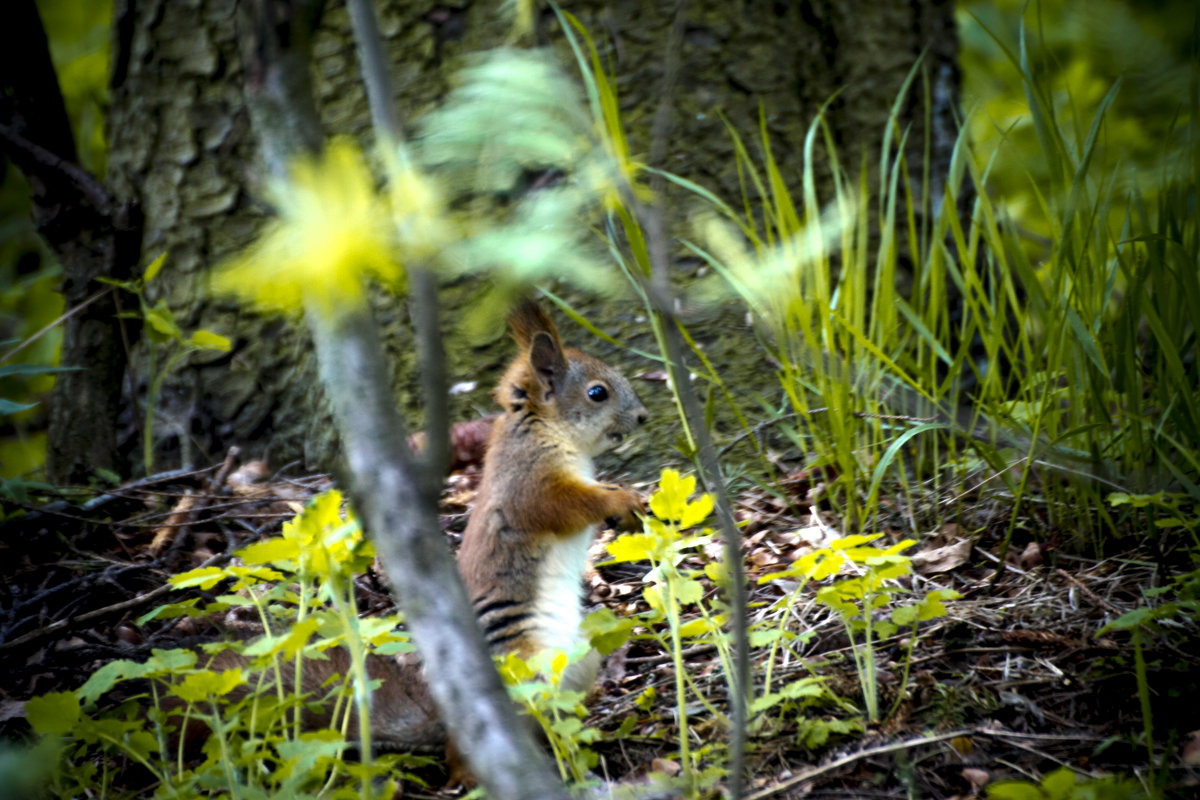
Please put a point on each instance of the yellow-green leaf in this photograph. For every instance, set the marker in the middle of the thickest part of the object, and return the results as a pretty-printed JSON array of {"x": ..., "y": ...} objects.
[
  {"x": 670, "y": 501},
  {"x": 205, "y": 578},
  {"x": 208, "y": 340},
  {"x": 54, "y": 713},
  {"x": 153, "y": 267},
  {"x": 696, "y": 511},
  {"x": 204, "y": 684},
  {"x": 698, "y": 627},
  {"x": 632, "y": 547},
  {"x": 688, "y": 591},
  {"x": 334, "y": 230},
  {"x": 270, "y": 551},
  {"x": 162, "y": 320}
]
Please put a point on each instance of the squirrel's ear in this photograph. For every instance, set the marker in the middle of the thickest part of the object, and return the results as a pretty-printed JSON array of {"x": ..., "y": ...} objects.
[
  {"x": 548, "y": 361},
  {"x": 529, "y": 319}
]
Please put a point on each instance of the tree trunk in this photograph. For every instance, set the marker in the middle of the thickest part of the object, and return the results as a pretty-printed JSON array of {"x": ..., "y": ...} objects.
[
  {"x": 180, "y": 144},
  {"x": 94, "y": 234}
]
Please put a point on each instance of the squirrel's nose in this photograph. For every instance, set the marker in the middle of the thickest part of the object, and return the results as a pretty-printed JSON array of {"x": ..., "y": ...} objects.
[{"x": 642, "y": 415}]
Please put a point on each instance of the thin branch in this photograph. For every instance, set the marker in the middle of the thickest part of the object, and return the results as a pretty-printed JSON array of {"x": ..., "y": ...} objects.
[
  {"x": 423, "y": 297},
  {"x": 658, "y": 290},
  {"x": 870, "y": 752},
  {"x": 61, "y": 625},
  {"x": 49, "y": 326},
  {"x": 50, "y": 168},
  {"x": 373, "y": 64},
  {"x": 393, "y": 492}
]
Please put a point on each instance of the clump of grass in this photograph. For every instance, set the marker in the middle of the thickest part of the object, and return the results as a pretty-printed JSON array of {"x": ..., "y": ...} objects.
[{"x": 1059, "y": 374}]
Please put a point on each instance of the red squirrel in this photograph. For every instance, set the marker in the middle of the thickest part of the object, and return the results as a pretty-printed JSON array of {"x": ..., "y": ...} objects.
[{"x": 538, "y": 508}]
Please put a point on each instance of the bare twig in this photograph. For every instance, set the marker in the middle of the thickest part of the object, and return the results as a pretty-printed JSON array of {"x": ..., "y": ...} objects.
[
  {"x": 49, "y": 326},
  {"x": 61, "y": 625},
  {"x": 658, "y": 291},
  {"x": 1095, "y": 598},
  {"x": 870, "y": 752},
  {"x": 423, "y": 298}
]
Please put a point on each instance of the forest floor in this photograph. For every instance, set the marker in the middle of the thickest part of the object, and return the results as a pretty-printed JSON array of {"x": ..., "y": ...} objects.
[{"x": 1012, "y": 683}]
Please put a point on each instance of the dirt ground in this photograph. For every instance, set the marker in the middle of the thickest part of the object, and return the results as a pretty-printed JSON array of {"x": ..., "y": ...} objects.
[{"x": 1013, "y": 683}]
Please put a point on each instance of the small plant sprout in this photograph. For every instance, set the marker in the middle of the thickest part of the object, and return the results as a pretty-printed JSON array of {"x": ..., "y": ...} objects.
[
  {"x": 299, "y": 585},
  {"x": 669, "y": 588},
  {"x": 857, "y": 599},
  {"x": 165, "y": 339},
  {"x": 537, "y": 686}
]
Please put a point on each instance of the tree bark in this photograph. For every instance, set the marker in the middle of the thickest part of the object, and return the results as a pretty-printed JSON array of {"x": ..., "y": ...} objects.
[
  {"x": 180, "y": 143},
  {"x": 93, "y": 233}
]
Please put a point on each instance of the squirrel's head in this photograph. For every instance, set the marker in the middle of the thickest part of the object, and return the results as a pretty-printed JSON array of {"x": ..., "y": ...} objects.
[{"x": 595, "y": 403}]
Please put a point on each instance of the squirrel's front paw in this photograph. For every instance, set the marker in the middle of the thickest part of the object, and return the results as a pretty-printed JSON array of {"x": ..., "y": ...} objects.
[{"x": 629, "y": 505}]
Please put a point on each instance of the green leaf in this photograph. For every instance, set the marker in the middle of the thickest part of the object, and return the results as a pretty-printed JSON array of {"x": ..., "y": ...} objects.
[
  {"x": 108, "y": 676},
  {"x": 161, "y": 662},
  {"x": 1014, "y": 790},
  {"x": 206, "y": 683},
  {"x": 184, "y": 608},
  {"x": 205, "y": 578},
  {"x": 162, "y": 320},
  {"x": 1130, "y": 620},
  {"x": 762, "y": 638},
  {"x": 207, "y": 340},
  {"x": 108, "y": 476},
  {"x": 9, "y": 407},
  {"x": 142, "y": 743},
  {"x": 764, "y": 702},
  {"x": 567, "y": 727},
  {"x": 166, "y": 661},
  {"x": 270, "y": 551},
  {"x": 1059, "y": 785},
  {"x": 931, "y": 606},
  {"x": 32, "y": 369},
  {"x": 688, "y": 591},
  {"x": 606, "y": 630},
  {"x": 904, "y": 616},
  {"x": 153, "y": 267},
  {"x": 54, "y": 713}
]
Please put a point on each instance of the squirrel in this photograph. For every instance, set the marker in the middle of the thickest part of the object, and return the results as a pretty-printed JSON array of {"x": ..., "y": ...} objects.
[
  {"x": 524, "y": 551},
  {"x": 539, "y": 505}
]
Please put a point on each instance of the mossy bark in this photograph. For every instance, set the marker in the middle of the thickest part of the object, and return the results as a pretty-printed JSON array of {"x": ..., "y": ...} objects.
[{"x": 181, "y": 144}]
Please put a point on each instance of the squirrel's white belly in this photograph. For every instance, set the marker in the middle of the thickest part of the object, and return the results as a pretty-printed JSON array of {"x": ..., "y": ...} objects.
[{"x": 557, "y": 606}]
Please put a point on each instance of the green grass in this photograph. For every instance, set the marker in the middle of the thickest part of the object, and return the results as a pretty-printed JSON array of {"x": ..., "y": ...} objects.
[{"x": 1068, "y": 374}]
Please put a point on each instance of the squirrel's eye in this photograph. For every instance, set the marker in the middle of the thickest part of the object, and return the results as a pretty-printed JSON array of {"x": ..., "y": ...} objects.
[{"x": 598, "y": 393}]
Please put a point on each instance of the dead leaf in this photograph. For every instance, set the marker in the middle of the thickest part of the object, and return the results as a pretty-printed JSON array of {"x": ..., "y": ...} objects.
[
  {"x": 963, "y": 745},
  {"x": 975, "y": 776},
  {"x": 1191, "y": 750},
  {"x": 177, "y": 519},
  {"x": 468, "y": 442},
  {"x": 246, "y": 474},
  {"x": 1031, "y": 556},
  {"x": 942, "y": 559},
  {"x": 11, "y": 709},
  {"x": 666, "y": 766}
]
